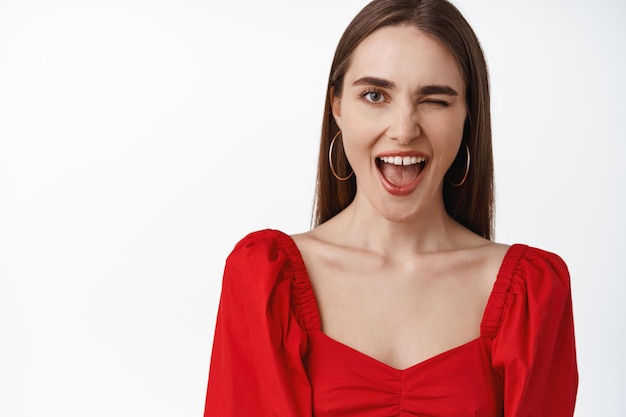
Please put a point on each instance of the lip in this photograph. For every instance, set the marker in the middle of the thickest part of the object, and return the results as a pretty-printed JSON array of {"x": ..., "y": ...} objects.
[
  {"x": 408, "y": 188},
  {"x": 403, "y": 153}
]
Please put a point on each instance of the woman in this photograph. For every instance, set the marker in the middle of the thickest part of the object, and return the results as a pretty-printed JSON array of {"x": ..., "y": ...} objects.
[{"x": 397, "y": 302}]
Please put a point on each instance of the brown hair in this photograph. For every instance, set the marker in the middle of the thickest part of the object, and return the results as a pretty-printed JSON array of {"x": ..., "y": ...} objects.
[{"x": 471, "y": 204}]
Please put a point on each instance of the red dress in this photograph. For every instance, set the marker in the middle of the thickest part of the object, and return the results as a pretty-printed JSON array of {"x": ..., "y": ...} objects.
[{"x": 270, "y": 357}]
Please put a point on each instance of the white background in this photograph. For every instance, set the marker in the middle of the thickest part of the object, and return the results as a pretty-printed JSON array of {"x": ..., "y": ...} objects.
[{"x": 139, "y": 140}]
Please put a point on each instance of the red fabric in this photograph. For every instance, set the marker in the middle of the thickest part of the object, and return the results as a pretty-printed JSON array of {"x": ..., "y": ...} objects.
[{"x": 270, "y": 357}]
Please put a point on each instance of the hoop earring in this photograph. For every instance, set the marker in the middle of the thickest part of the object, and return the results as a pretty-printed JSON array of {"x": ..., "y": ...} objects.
[
  {"x": 467, "y": 166},
  {"x": 330, "y": 160}
]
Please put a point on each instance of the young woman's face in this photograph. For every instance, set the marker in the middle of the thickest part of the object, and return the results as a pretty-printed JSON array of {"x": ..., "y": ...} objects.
[{"x": 401, "y": 112}]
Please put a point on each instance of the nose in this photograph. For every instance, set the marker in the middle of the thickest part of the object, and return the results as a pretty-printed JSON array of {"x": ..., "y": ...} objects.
[{"x": 404, "y": 124}]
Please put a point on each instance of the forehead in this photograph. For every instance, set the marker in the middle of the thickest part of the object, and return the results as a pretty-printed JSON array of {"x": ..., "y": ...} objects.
[{"x": 405, "y": 55}]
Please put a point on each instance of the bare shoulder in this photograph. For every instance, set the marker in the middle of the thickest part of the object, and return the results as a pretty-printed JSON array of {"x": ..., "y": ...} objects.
[
  {"x": 307, "y": 242},
  {"x": 480, "y": 250},
  {"x": 320, "y": 240},
  {"x": 320, "y": 258},
  {"x": 494, "y": 253},
  {"x": 316, "y": 247},
  {"x": 485, "y": 259},
  {"x": 303, "y": 239}
]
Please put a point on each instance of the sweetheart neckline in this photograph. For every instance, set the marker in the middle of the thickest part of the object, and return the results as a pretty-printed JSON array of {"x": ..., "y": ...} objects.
[
  {"x": 513, "y": 253},
  {"x": 378, "y": 362}
]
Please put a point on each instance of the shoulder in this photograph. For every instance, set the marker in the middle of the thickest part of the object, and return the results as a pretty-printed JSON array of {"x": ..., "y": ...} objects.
[
  {"x": 531, "y": 267},
  {"x": 530, "y": 281},
  {"x": 266, "y": 239},
  {"x": 262, "y": 257},
  {"x": 266, "y": 274},
  {"x": 261, "y": 245},
  {"x": 538, "y": 281}
]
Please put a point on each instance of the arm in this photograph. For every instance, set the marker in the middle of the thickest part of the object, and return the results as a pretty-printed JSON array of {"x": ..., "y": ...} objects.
[
  {"x": 256, "y": 367},
  {"x": 534, "y": 351}
]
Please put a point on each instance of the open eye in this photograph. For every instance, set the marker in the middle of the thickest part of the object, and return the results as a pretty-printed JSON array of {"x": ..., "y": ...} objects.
[{"x": 373, "y": 96}]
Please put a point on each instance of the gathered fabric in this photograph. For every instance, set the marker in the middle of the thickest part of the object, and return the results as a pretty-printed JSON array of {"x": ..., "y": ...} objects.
[{"x": 271, "y": 358}]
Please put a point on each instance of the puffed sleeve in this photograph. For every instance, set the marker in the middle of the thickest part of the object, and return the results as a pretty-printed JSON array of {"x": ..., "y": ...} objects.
[
  {"x": 256, "y": 365},
  {"x": 534, "y": 351}
]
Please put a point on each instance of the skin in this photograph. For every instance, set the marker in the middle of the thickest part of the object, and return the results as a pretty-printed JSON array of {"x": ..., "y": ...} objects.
[{"x": 395, "y": 277}]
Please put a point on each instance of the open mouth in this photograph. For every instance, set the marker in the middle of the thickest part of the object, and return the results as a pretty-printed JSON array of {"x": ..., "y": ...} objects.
[{"x": 400, "y": 174}]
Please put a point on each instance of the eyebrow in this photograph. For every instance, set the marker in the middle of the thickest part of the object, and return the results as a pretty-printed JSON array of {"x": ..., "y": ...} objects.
[
  {"x": 424, "y": 90},
  {"x": 376, "y": 82},
  {"x": 437, "y": 89}
]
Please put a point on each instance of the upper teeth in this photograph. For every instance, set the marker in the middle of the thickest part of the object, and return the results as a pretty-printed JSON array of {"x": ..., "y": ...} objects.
[{"x": 403, "y": 160}]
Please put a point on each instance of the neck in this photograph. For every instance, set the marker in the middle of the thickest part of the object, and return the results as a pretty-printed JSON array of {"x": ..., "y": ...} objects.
[{"x": 429, "y": 230}]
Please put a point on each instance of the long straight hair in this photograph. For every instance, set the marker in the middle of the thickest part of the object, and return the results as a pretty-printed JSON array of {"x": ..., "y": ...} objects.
[{"x": 472, "y": 203}]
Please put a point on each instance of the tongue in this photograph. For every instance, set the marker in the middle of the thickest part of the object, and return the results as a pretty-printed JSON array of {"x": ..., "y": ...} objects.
[{"x": 400, "y": 175}]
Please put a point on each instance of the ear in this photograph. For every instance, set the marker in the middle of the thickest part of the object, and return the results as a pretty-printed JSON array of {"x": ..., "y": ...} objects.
[{"x": 335, "y": 104}]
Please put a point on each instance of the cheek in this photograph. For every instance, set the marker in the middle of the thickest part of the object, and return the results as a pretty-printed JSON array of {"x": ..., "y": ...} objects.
[
  {"x": 446, "y": 137},
  {"x": 355, "y": 149},
  {"x": 455, "y": 122},
  {"x": 359, "y": 137},
  {"x": 455, "y": 135},
  {"x": 364, "y": 124},
  {"x": 454, "y": 138}
]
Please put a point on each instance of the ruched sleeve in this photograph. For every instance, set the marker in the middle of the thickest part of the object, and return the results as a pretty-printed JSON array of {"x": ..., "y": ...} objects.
[
  {"x": 533, "y": 349},
  {"x": 256, "y": 365}
]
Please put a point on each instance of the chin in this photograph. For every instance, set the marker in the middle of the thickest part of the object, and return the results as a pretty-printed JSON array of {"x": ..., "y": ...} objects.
[{"x": 398, "y": 215}]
